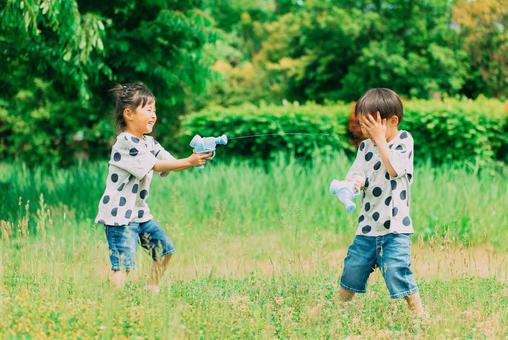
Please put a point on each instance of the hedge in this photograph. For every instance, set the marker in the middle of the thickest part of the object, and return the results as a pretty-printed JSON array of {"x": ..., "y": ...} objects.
[{"x": 447, "y": 130}]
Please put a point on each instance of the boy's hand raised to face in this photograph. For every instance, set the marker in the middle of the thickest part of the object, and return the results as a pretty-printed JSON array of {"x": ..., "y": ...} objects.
[{"x": 375, "y": 128}]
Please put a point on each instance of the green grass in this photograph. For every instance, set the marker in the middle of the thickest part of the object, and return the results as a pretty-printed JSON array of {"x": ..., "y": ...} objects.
[
  {"x": 455, "y": 203},
  {"x": 287, "y": 307},
  {"x": 231, "y": 286},
  {"x": 259, "y": 252}
]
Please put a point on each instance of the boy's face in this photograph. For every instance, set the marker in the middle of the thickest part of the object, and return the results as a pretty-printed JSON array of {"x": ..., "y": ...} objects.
[{"x": 143, "y": 119}]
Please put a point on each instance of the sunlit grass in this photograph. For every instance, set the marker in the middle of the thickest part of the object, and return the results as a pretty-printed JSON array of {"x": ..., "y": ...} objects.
[
  {"x": 259, "y": 253},
  {"x": 452, "y": 202}
]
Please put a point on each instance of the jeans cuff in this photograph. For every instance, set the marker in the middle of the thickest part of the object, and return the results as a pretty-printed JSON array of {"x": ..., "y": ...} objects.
[
  {"x": 123, "y": 268},
  {"x": 352, "y": 289},
  {"x": 404, "y": 294}
]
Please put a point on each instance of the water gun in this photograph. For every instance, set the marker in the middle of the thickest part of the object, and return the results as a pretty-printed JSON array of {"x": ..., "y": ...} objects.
[
  {"x": 207, "y": 144},
  {"x": 346, "y": 192}
]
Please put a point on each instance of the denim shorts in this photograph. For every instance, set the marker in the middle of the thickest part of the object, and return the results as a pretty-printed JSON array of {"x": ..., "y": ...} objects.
[
  {"x": 123, "y": 242},
  {"x": 391, "y": 253}
]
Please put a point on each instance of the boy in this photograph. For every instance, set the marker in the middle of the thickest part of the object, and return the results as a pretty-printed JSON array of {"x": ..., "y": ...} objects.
[{"x": 383, "y": 169}]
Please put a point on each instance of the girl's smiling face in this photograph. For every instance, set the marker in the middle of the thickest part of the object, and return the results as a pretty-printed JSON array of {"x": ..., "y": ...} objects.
[{"x": 142, "y": 120}]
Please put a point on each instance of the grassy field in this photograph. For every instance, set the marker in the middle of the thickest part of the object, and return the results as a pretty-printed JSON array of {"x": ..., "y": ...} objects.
[{"x": 259, "y": 252}]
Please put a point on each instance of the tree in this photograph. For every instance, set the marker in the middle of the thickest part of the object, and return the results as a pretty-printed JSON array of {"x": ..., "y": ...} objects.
[
  {"x": 482, "y": 24},
  {"x": 61, "y": 57},
  {"x": 340, "y": 49}
]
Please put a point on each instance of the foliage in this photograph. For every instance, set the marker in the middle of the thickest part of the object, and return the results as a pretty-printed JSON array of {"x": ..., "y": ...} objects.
[
  {"x": 61, "y": 57},
  {"x": 483, "y": 26},
  {"x": 291, "y": 129},
  {"x": 330, "y": 50},
  {"x": 459, "y": 130},
  {"x": 451, "y": 130}
]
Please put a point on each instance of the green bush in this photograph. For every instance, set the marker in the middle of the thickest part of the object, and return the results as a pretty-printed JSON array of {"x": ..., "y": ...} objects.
[
  {"x": 444, "y": 131},
  {"x": 62, "y": 59},
  {"x": 458, "y": 130}
]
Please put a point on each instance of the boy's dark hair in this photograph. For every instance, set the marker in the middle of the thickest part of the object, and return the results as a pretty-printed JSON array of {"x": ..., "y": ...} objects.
[
  {"x": 130, "y": 95},
  {"x": 384, "y": 100}
]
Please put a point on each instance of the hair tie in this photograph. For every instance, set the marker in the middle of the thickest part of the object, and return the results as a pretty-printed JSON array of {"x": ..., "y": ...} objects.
[{"x": 124, "y": 90}]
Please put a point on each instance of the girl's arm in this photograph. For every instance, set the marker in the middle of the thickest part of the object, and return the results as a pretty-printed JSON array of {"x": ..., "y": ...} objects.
[{"x": 181, "y": 164}]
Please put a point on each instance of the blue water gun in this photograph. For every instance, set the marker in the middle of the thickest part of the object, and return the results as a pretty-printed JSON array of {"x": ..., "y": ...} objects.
[
  {"x": 346, "y": 192},
  {"x": 207, "y": 144}
]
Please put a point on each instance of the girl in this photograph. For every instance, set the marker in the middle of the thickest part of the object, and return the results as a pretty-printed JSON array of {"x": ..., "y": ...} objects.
[{"x": 123, "y": 208}]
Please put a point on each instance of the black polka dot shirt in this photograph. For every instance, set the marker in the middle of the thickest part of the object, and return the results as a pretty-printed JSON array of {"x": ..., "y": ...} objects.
[
  {"x": 385, "y": 199},
  {"x": 128, "y": 181}
]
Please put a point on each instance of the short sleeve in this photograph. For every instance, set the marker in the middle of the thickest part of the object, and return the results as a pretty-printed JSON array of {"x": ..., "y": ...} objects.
[
  {"x": 401, "y": 155},
  {"x": 160, "y": 153},
  {"x": 357, "y": 170},
  {"x": 129, "y": 154}
]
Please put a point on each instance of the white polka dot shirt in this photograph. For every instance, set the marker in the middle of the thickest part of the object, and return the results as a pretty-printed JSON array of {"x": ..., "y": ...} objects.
[
  {"x": 128, "y": 182},
  {"x": 386, "y": 199}
]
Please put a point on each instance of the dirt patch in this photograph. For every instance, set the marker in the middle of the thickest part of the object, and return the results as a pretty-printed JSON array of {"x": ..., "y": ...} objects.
[{"x": 273, "y": 255}]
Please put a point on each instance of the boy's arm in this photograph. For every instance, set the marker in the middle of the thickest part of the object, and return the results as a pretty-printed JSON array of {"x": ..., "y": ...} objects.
[
  {"x": 383, "y": 149},
  {"x": 360, "y": 184},
  {"x": 356, "y": 173},
  {"x": 377, "y": 130}
]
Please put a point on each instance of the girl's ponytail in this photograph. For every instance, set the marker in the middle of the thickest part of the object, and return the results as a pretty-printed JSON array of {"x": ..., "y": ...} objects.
[{"x": 130, "y": 96}]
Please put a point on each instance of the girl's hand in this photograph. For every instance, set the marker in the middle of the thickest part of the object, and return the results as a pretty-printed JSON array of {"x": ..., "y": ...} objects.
[
  {"x": 375, "y": 128},
  {"x": 199, "y": 158}
]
